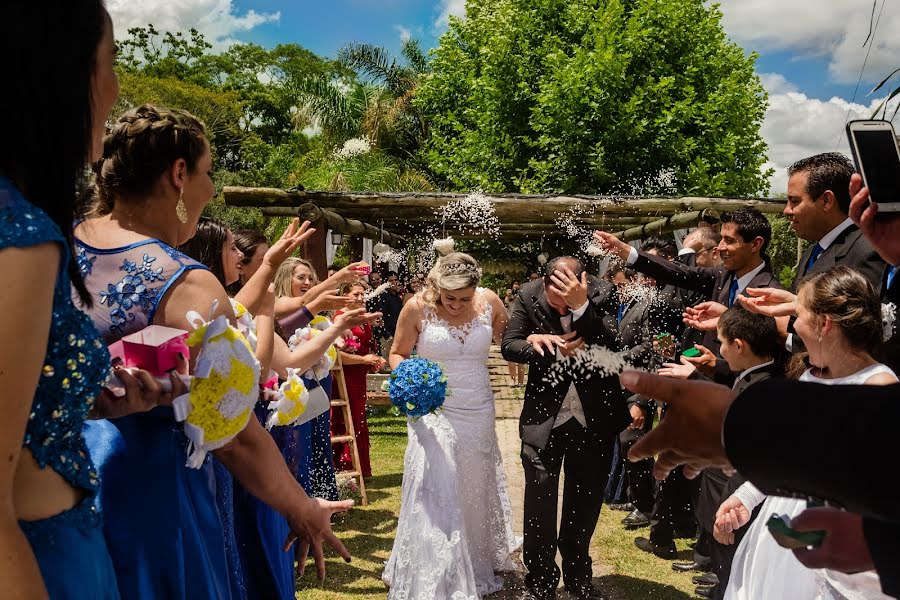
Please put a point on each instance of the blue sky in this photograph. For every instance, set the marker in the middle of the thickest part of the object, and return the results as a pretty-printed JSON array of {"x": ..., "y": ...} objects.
[{"x": 811, "y": 52}]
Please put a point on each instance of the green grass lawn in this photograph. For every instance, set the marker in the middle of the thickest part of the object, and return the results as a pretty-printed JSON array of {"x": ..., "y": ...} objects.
[{"x": 368, "y": 532}]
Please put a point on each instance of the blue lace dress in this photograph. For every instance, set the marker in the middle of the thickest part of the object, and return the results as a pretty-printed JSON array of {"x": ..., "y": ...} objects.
[
  {"x": 69, "y": 547},
  {"x": 166, "y": 536}
]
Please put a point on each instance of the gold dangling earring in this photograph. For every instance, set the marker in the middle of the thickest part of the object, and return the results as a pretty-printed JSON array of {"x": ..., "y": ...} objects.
[{"x": 180, "y": 208}]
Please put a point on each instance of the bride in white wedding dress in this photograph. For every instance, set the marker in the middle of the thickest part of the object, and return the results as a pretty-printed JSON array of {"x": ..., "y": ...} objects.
[{"x": 455, "y": 528}]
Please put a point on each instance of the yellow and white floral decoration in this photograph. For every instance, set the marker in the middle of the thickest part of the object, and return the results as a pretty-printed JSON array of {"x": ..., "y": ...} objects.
[
  {"x": 323, "y": 366},
  {"x": 223, "y": 390},
  {"x": 290, "y": 403}
]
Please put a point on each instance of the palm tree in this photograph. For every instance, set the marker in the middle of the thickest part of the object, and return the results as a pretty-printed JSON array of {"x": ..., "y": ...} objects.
[{"x": 378, "y": 105}]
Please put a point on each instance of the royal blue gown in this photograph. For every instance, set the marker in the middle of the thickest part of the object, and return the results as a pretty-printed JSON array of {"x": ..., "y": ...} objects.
[
  {"x": 165, "y": 533},
  {"x": 261, "y": 531},
  {"x": 69, "y": 547}
]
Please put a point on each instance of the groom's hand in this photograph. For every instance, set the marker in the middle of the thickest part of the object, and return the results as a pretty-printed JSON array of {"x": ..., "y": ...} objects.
[
  {"x": 569, "y": 287},
  {"x": 573, "y": 344},
  {"x": 540, "y": 341}
]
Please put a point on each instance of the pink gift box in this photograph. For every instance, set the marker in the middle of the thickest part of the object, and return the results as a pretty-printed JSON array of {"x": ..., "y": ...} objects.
[{"x": 154, "y": 348}]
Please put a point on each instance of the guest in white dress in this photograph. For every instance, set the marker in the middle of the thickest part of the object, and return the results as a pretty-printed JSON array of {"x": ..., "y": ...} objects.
[
  {"x": 839, "y": 321},
  {"x": 455, "y": 528}
]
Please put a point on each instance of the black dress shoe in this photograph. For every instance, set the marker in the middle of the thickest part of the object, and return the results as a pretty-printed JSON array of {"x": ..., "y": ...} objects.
[
  {"x": 627, "y": 506},
  {"x": 690, "y": 565},
  {"x": 660, "y": 551},
  {"x": 705, "y": 579},
  {"x": 635, "y": 520},
  {"x": 585, "y": 592},
  {"x": 704, "y": 591}
]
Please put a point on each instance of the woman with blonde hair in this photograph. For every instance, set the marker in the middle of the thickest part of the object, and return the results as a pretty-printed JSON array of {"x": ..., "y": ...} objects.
[
  {"x": 455, "y": 529},
  {"x": 299, "y": 298}
]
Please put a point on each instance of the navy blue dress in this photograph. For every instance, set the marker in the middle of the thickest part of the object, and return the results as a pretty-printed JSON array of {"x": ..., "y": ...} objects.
[
  {"x": 165, "y": 533},
  {"x": 69, "y": 547}
]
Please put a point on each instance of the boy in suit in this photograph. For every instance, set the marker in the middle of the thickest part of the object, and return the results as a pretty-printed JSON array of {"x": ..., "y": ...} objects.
[{"x": 749, "y": 343}]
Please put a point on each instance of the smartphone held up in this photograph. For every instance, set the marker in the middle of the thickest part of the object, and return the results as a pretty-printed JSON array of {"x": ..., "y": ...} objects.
[{"x": 877, "y": 157}]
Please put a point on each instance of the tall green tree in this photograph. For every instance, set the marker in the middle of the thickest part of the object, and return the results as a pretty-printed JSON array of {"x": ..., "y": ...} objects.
[{"x": 594, "y": 96}]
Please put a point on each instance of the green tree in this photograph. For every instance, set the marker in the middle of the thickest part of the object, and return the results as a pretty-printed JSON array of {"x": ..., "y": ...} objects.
[{"x": 588, "y": 96}]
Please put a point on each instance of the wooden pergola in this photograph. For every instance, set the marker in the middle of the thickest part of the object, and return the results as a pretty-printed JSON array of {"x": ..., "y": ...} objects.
[{"x": 397, "y": 217}]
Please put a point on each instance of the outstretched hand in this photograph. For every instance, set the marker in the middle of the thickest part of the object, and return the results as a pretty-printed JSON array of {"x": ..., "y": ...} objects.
[
  {"x": 704, "y": 316},
  {"x": 611, "y": 243},
  {"x": 355, "y": 318},
  {"x": 770, "y": 302},
  {"x": 882, "y": 232},
  {"x": 682, "y": 370},
  {"x": 691, "y": 432},
  {"x": 287, "y": 244},
  {"x": 311, "y": 527}
]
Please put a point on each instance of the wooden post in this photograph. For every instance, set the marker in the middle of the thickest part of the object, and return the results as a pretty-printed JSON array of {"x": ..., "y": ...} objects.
[{"x": 314, "y": 249}]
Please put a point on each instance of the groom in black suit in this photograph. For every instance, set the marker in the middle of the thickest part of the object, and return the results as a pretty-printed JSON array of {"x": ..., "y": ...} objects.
[{"x": 569, "y": 416}]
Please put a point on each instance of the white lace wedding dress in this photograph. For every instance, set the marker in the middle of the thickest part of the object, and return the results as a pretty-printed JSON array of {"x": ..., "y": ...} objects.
[{"x": 455, "y": 528}]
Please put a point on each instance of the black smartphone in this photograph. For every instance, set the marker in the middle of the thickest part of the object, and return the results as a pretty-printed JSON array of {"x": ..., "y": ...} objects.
[{"x": 874, "y": 148}]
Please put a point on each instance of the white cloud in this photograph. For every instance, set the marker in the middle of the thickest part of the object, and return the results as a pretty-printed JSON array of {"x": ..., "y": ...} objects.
[
  {"x": 456, "y": 8},
  {"x": 797, "y": 126},
  {"x": 217, "y": 20},
  {"x": 832, "y": 30},
  {"x": 405, "y": 33}
]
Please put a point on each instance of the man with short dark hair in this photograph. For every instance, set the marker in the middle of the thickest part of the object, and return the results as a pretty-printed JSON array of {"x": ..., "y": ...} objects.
[
  {"x": 391, "y": 303},
  {"x": 817, "y": 206},
  {"x": 569, "y": 419}
]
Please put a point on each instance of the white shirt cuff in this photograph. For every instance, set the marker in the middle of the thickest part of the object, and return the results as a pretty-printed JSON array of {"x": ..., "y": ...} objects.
[
  {"x": 749, "y": 495},
  {"x": 578, "y": 312},
  {"x": 632, "y": 256},
  {"x": 789, "y": 342}
]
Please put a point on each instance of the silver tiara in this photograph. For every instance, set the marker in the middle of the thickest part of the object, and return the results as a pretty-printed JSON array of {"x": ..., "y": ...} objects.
[{"x": 460, "y": 269}]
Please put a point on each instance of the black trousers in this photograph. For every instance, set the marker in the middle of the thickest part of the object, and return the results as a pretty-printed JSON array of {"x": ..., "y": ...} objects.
[
  {"x": 639, "y": 475},
  {"x": 586, "y": 461},
  {"x": 674, "y": 508}
]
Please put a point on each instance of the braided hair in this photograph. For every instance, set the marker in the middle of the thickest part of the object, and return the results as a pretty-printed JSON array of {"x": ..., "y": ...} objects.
[{"x": 142, "y": 145}]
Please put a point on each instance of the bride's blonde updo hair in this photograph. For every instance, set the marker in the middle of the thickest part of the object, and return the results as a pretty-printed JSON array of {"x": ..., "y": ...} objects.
[{"x": 456, "y": 271}]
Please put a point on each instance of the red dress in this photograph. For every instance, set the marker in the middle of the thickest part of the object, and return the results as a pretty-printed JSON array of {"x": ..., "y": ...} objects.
[{"x": 355, "y": 376}]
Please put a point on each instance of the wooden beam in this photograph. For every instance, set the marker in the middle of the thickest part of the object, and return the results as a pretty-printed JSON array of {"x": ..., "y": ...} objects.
[
  {"x": 506, "y": 206},
  {"x": 335, "y": 222},
  {"x": 679, "y": 221}
]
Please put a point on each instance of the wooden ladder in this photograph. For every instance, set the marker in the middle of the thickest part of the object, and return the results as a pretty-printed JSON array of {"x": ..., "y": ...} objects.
[{"x": 343, "y": 401}]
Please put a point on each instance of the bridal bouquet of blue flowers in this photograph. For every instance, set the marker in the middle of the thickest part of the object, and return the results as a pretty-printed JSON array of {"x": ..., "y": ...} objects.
[{"x": 417, "y": 387}]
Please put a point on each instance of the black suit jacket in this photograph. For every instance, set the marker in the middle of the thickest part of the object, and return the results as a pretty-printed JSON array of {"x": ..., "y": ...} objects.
[
  {"x": 634, "y": 338},
  {"x": 601, "y": 397},
  {"x": 818, "y": 442},
  {"x": 714, "y": 282},
  {"x": 849, "y": 248}
]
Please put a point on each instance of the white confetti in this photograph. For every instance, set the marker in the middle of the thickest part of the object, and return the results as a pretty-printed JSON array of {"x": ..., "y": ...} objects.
[
  {"x": 377, "y": 291},
  {"x": 590, "y": 360},
  {"x": 472, "y": 214}
]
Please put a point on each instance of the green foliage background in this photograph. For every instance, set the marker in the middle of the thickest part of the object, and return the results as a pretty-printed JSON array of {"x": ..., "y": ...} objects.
[{"x": 554, "y": 96}]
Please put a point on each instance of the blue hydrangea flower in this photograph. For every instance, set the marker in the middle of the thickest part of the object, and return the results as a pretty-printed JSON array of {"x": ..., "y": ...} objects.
[{"x": 417, "y": 387}]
